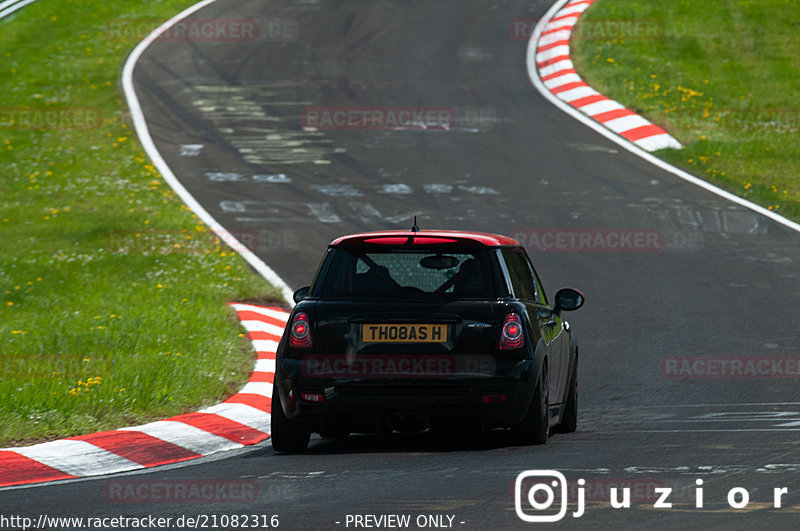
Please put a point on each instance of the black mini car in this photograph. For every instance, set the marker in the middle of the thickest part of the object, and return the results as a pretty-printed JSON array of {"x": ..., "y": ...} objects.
[{"x": 409, "y": 331}]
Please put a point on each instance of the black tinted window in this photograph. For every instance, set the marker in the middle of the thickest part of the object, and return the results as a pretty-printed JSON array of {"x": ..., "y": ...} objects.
[
  {"x": 523, "y": 278},
  {"x": 429, "y": 273}
]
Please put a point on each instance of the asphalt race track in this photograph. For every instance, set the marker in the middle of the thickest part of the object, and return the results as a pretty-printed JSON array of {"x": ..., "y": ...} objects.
[{"x": 722, "y": 281}]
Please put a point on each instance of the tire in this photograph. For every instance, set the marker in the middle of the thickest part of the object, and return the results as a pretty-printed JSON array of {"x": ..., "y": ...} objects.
[
  {"x": 535, "y": 428},
  {"x": 287, "y": 436},
  {"x": 569, "y": 418}
]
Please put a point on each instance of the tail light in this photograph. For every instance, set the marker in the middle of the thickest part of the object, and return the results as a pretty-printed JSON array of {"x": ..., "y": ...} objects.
[
  {"x": 301, "y": 332},
  {"x": 493, "y": 399},
  {"x": 511, "y": 336}
]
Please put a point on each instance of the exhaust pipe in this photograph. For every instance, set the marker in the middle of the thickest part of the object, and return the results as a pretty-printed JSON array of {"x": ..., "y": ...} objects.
[
  {"x": 395, "y": 421},
  {"x": 413, "y": 423},
  {"x": 406, "y": 423}
]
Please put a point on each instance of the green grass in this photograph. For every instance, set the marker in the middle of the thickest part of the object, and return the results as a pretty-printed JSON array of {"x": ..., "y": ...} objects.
[
  {"x": 97, "y": 332},
  {"x": 720, "y": 75}
]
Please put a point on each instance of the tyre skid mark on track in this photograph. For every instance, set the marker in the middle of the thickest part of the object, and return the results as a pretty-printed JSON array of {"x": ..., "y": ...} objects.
[
  {"x": 696, "y": 418},
  {"x": 146, "y": 139},
  {"x": 242, "y": 420}
]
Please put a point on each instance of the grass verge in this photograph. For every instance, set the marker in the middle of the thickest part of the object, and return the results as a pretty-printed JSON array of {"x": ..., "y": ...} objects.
[
  {"x": 112, "y": 293},
  {"x": 719, "y": 75}
]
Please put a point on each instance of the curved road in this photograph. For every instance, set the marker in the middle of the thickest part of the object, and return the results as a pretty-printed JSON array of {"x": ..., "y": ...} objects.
[{"x": 722, "y": 281}]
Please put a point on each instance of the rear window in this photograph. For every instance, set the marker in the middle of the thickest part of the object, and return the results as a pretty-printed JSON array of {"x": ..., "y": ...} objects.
[{"x": 427, "y": 273}]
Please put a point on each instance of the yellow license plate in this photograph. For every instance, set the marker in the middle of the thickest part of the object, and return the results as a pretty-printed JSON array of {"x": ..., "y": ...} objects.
[{"x": 404, "y": 333}]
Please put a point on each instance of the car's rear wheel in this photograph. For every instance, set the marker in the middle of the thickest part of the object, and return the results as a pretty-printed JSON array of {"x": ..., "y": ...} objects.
[
  {"x": 287, "y": 436},
  {"x": 569, "y": 419},
  {"x": 535, "y": 428}
]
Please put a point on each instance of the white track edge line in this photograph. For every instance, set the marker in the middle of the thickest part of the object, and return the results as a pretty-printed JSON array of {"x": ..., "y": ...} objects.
[
  {"x": 149, "y": 146},
  {"x": 627, "y": 144},
  {"x": 14, "y": 8},
  {"x": 7, "y": 3}
]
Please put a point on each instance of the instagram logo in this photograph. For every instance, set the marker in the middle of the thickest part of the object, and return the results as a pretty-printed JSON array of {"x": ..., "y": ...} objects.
[{"x": 540, "y": 496}]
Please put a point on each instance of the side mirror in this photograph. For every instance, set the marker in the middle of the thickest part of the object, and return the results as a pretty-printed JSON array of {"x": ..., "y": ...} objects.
[
  {"x": 301, "y": 294},
  {"x": 569, "y": 299}
]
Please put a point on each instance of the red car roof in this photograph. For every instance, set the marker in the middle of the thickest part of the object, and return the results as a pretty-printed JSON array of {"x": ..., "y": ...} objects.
[{"x": 425, "y": 237}]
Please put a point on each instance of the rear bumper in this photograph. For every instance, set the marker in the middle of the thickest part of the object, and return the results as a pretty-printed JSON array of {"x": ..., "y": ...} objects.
[{"x": 373, "y": 405}]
